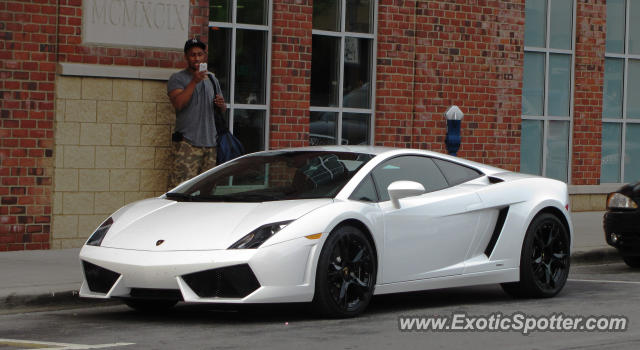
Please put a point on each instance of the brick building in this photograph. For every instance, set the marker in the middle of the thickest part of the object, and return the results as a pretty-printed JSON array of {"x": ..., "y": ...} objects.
[{"x": 85, "y": 122}]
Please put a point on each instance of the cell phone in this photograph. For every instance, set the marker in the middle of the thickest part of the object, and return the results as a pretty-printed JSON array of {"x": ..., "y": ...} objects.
[{"x": 203, "y": 67}]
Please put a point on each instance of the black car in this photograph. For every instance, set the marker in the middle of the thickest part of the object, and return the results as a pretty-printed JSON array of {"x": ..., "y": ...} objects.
[{"x": 622, "y": 223}]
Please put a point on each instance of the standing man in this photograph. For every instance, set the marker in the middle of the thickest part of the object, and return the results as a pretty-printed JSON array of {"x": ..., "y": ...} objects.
[{"x": 191, "y": 92}]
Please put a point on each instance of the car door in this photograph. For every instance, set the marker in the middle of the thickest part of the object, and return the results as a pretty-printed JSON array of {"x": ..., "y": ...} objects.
[{"x": 430, "y": 234}]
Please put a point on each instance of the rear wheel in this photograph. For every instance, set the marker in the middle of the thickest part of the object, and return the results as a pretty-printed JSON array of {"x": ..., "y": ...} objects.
[
  {"x": 544, "y": 260},
  {"x": 150, "y": 306},
  {"x": 346, "y": 274},
  {"x": 632, "y": 261}
]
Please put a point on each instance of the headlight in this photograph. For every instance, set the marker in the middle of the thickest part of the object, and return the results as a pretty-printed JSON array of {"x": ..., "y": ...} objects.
[
  {"x": 256, "y": 237},
  {"x": 97, "y": 237},
  {"x": 620, "y": 201}
]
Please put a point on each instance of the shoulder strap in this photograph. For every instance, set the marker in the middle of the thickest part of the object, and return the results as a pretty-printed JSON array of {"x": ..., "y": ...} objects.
[
  {"x": 221, "y": 124},
  {"x": 215, "y": 90}
]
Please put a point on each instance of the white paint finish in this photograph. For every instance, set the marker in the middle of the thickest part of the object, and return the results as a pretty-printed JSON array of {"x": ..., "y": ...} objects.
[
  {"x": 434, "y": 240},
  {"x": 429, "y": 235},
  {"x": 148, "y": 23}
]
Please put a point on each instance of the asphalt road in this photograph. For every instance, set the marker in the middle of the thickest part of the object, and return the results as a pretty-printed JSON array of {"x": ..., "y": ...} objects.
[{"x": 598, "y": 290}]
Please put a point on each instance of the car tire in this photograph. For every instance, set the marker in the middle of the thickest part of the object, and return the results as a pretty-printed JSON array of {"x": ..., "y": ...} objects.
[
  {"x": 544, "y": 260},
  {"x": 150, "y": 306},
  {"x": 346, "y": 274},
  {"x": 632, "y": 261}
]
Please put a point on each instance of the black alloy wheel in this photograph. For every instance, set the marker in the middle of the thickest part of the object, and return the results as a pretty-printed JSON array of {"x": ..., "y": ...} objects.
[
  {"x": 544, "y": 261},
  {"x": 346, "y": 274}
]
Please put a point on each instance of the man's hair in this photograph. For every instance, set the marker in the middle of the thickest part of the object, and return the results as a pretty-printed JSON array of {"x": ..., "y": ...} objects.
[{"x": 195, "y": 42}]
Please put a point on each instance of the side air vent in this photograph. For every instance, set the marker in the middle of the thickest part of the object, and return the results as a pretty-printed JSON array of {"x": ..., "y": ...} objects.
[
  {"x": 236, "y": 281},
  {"x": 99, "y": 279},
  {"x": 502, "y": 216},
  {"x": 495, "y": 180}
]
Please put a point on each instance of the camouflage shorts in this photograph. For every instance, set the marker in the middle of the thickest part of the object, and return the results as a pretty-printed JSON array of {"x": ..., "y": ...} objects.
[{"x": 189, "y": 161}]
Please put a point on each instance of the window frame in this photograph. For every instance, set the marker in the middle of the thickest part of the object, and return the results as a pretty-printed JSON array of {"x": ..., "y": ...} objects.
[
  {"x": 452, "y": 183},
  {"x": 546, "y": 118},
  {"x": 623, "y": 121},
  {"x": 384, "y": 162},
  {"x": 230, "y": 100},
  {"x": 342, "y": 34}
]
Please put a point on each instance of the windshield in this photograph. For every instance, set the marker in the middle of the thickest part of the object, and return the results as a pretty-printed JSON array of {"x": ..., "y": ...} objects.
[{"x": 272, "y": 176}]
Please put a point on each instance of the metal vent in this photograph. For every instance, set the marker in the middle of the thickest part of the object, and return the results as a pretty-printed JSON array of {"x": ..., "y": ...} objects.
[
  {"x": 502, "y": 216},
  {"x": 236, "y": 281},
  {"x": 99, "y": 279}
]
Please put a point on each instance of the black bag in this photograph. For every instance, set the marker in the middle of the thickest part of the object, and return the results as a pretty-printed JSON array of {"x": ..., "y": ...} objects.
[{"x": 229, "y": 147}]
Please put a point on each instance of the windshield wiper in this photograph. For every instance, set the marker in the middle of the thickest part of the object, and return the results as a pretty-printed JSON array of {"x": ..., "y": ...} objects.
[
  {"x": 240, "y": 197},
  {"x": 179, "y": 196},
  {"x": 260, "y": 197}
]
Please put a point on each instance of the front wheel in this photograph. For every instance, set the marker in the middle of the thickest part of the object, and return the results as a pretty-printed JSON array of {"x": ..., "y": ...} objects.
[
  {"x": 544, "y": 260},
  {"x": 346, "y": 274}
]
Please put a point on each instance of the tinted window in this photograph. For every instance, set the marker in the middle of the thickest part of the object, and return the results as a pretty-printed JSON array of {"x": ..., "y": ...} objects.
[
  {"x": 408, "y": 168},
  {"x": 456, "y": 173},
  {"x": 277, "y": 175},
  {"x": 365, "y": 191}
]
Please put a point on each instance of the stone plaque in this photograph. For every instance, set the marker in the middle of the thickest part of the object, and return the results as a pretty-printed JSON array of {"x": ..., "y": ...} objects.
[{"x": 148, "y": 23}]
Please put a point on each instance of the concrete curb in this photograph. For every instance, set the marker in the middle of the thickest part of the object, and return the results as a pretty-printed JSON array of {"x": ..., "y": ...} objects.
[
  {"x": 49, "y": 300},
  {"x": 596, "y": 256}
]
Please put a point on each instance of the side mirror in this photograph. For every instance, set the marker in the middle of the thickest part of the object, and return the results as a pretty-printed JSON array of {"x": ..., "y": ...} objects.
[{"x": 401, "y": 189}]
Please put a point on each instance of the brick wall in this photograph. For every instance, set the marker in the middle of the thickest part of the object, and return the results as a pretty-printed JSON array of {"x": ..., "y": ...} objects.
[
  {"x": 290, "y": 73},
  {"x": 433, "y": 54},
  {"x": 396, "y": 64},
  {"x": 589, "y": 81},
  {"x": 27, "y": 75}
]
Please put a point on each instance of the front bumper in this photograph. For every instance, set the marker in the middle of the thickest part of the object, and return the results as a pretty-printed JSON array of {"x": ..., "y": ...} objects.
[
  {"x": 625, "y": 227},
  {"x": 278, "y": 273}
]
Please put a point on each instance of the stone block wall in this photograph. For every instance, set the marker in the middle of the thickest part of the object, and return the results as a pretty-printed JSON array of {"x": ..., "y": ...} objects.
[{"x": 112, "y": 147}]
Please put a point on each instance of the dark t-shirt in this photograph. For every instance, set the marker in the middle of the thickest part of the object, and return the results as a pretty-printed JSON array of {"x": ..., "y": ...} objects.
[{"x": 196, "y": 121}]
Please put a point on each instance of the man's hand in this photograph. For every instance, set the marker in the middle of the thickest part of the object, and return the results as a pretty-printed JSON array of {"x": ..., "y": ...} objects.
[
  {"x": 219, "y": 101},
  {"x": 199, "y": 76}
]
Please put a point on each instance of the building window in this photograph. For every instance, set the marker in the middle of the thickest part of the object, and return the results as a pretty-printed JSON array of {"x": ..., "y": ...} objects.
[
  {"x": 621, "y": 100},
  {"x": 240, "y": 57},
  {"x": 547, "y": 88},
  {"x": 342, "y": 72}
]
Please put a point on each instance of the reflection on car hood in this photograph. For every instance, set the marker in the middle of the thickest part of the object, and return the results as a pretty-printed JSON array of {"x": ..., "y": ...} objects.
[{"x": 197, "y": 225}]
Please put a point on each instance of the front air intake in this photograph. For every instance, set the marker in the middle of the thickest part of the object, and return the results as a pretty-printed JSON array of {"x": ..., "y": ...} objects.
[
  {"x": 99, "y": 279},
  {"x": 236, "y": 281}
]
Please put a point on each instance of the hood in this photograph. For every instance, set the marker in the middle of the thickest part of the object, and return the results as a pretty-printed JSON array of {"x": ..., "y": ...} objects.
[
  {"x": 632, "y": 191},
  {"x": 197, "y": 225}
]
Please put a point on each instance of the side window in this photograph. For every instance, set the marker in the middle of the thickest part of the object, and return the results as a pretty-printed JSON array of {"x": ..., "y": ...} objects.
[
  {"x": 456, "y": 173},
  {"x": 366, "y": 191},
  {"x": 408, "y": 168}
]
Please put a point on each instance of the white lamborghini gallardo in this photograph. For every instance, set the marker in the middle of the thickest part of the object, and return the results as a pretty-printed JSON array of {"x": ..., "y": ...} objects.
[{"x": 333, "y": 226}]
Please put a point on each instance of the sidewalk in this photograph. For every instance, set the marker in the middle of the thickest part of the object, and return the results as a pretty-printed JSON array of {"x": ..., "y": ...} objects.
[{"x": 50, "y": 277}]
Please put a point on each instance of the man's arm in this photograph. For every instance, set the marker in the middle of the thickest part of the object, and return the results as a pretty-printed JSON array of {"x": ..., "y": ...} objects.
[{"x": 181, "y": 97}]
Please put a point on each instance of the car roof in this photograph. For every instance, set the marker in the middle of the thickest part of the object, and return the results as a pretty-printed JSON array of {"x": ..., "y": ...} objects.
[{"x": 391, "y": 151}]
